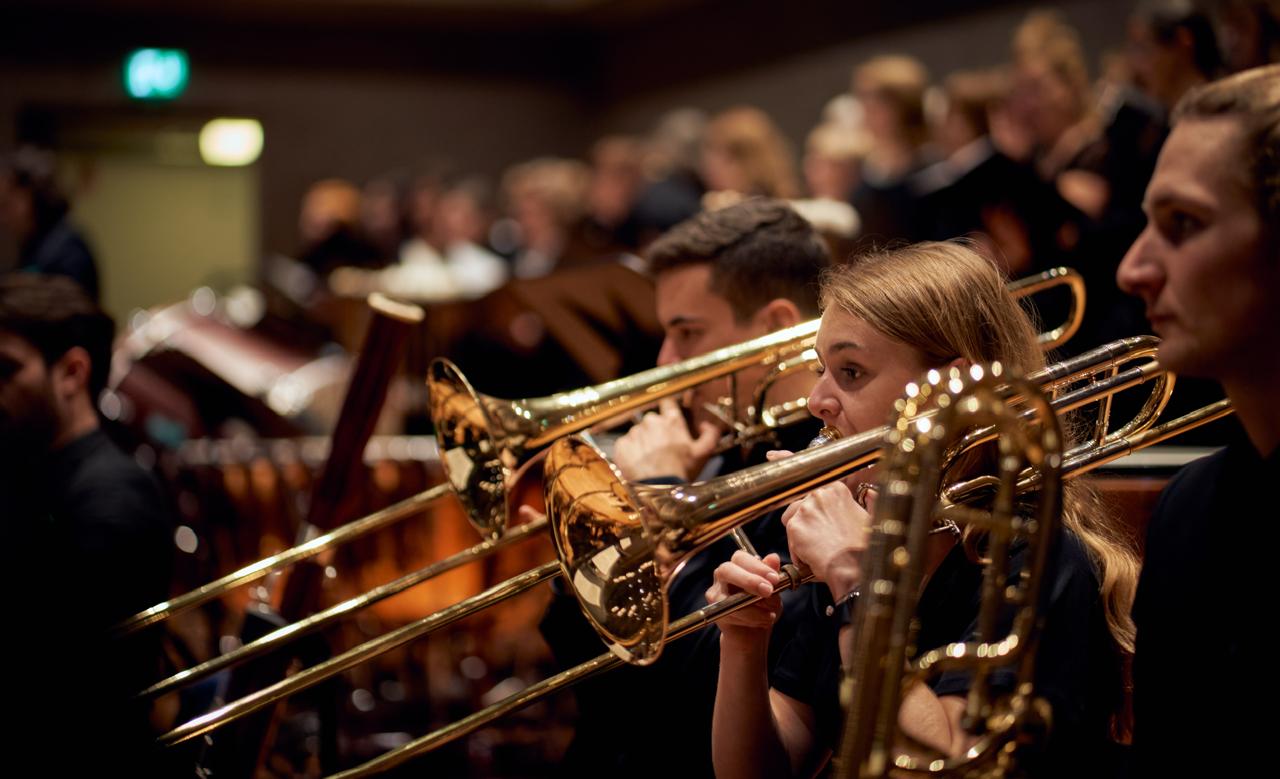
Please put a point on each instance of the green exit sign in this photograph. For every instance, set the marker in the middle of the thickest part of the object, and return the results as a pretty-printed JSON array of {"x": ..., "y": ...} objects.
[{"x": 156, "y": 74}]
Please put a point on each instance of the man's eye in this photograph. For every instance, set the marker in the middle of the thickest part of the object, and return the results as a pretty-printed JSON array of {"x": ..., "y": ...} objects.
[{"x": 1178, "y": 226}]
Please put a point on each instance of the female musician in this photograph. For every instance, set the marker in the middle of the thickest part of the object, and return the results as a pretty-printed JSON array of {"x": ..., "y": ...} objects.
[{"x": 888, "y": 318}]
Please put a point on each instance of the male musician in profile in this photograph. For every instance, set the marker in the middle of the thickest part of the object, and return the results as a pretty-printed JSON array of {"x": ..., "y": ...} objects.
[
  {"x": 1208, "y": 268},
  {"x": 722, "y": 277},
  {"x": 86, "y": 538}
]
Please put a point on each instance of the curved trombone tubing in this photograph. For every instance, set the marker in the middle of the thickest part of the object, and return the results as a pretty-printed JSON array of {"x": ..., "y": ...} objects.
[
  {"x": 620, "y": 544},
  {"x": 1056, "y": 277},
  {"x": 483, "y": 440},
  {"x": 1073, "y": 466},
  {"x": 881, "y": 665},
  {"x": 735, "y": 495}
]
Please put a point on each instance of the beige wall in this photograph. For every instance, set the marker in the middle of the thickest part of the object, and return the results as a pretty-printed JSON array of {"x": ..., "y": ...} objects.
[{"x": 160, "y": 231}]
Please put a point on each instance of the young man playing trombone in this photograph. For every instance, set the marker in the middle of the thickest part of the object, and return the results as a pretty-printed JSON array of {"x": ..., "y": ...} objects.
[
  {"x": 1208, "y": 268},
  {"x": 721, "y": 278}
]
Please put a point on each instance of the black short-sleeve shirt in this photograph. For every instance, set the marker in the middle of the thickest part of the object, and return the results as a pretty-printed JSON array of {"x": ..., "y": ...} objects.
[{"x": 1078, "y": 669}]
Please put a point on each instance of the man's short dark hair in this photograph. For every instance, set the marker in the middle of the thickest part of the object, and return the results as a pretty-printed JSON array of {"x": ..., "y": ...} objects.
[
  {"x": 53, "y": 314},
  {"x": 758, "y": 250}
]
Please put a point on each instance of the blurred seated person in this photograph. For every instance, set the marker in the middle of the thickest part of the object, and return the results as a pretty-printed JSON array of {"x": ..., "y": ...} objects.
[
  {"x": 722, "y": 277},
  {"x": 833, "y": 155},
  {"x": 1054, "y": 100},
  {"x": 384, "y": 216},
  {"x": 86, "y": 527},
  {"x": 977, "y": 191},
  {"x": 1172, "y": 48},
  {"x": 546, "y": 200},
  {"x": 329, "y": 229},
  {"x": 891, "y": 92},
  {"x": 617, "y": 178},
  {"x": 745, "y": 153},
  {"x": 464, "y": 268},
  {"x": 1248, "y": 32},
  {"x": 33, "y": 209},
  {"x": 673, "y": 190}
]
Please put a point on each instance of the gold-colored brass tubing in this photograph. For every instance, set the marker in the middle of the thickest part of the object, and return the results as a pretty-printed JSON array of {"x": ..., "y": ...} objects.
[
  {"x": 603, "y": 662},
  {"x": 261, "y": 568},
  {"x": 1055, "y": 277},
  {"x": 579, "y": 409},
  {"x": 1072, "y": 468},
  {"x": 283, "y": 635},
  {"x": 285, "y": 687}
]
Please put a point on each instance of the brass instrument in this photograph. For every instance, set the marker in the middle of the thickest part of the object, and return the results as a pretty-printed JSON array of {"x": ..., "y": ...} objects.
[
  {"x": 695, "y": 515},
  {"x": 621, "y": 544},
  {"x": 1079, "y": 461},
  {"x": 909, "y": 507},
  {"x": 484, "y": 441}
]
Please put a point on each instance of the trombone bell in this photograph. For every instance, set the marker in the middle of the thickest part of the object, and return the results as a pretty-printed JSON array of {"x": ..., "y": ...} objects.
[
  {"x": 605, "y": 551},
  {"x": 474, "y": 451}
]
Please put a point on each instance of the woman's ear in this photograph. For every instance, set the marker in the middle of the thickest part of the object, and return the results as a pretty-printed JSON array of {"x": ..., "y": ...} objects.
[{"x": 960, "y": 363}]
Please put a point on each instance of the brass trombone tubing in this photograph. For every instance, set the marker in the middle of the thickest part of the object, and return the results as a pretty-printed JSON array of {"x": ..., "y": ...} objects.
[
  {"x": 862, "y": 454},
  {"x": 1072, "y": 468},
  {"x": 1052, "y": 339},
  {"x": 626, "y": 540},
  {"x": 259, "y": 699},
  {"x": 257, "y": 570},
  {"x": 608, "y": 400},
  {"x": 321, "y": 619},
  {"x": 682, "y": 627}
]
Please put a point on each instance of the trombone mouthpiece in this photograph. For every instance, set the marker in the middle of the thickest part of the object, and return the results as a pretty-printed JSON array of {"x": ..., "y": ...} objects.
[{"x": 825, "y": 436}]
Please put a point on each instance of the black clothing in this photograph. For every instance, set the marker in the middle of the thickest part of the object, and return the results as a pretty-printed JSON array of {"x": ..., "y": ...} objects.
[
  {"x": 1203, "y": 691},
  {"x": 677, "y": 693},
  {"x": 61, "y": 251},
  {"x": 1077, "y": 668},
  {"x": 89, "y": 542}
]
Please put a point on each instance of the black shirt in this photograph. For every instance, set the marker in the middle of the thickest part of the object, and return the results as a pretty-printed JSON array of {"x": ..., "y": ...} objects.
[
  {"x": 1077, "y": 667},
  {"x": 88, "y": 544},
  {"x": 1204, "y": 691}
]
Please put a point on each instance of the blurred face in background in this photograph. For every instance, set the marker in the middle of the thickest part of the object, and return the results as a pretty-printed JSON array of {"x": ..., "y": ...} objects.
[
  {"x": 17, "y": 215},
  {"x": 1044, "y": 102}
]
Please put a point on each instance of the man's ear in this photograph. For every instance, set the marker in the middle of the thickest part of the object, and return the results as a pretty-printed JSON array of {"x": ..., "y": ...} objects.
[
  {"x": 70, "y": 374},
  {"x": 779, "y": 313}
]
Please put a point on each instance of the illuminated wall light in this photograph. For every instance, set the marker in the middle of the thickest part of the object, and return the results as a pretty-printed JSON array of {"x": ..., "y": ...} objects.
[
  {"x": 231, "y": 142},
  {"x": 156, "y": 74}
]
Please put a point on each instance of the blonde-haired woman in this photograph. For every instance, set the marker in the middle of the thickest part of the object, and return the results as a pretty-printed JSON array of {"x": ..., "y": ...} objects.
[{"x": 887, "y": 318}]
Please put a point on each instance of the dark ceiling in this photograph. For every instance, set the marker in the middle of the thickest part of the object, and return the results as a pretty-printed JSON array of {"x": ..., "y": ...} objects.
[{"x": 593, "y": 44}]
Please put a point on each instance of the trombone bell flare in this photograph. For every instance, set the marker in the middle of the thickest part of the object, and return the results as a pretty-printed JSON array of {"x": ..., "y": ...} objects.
[
  {"x": 471, "y": 452},
  {"x": 605, "y": 551}
]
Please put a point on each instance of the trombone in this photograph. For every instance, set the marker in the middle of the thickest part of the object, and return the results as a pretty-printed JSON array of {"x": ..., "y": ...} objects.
[
  {"x": 881, "y": 667},
  {"x": 629, "y": 605},
  {"x": 1079, "y": 461},
  {"x": 485, "y": 441}
]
